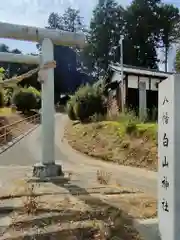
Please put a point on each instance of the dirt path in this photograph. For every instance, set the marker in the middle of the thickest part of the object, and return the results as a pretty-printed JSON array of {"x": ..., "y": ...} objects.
[
  {"x": 124, "y": 175},
  {"x": 28, "y": 151}
]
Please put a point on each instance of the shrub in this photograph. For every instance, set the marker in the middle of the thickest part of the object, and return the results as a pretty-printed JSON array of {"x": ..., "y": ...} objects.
[
  {"x": 87, "y": 102},
  {"x": 1, "y": 98},
  {"x": 34, "y": 91},
  {"x": 128, "y": 116},
  {"x": 131, "y": 128},
  {"x": 98, "y": 118},
  {"x": 1, "y": 92},
  {"x": 70, "y": 110},
  {"x": 24, "y": 100},
  {"x": 2, "y": 71},
  {"x": 99, "y": 86},
  {"x": 8, "y": 92},
  {"x": 37, "y": 95}
]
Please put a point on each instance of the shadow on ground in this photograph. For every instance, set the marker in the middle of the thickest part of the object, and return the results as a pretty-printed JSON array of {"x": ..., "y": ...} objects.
[
  {"x": 99, "y": 221},
  {"x": 116, "y": 223}
]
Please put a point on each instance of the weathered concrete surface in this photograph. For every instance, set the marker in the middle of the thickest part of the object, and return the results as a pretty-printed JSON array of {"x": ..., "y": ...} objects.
[{"x": 130, "y": 176}]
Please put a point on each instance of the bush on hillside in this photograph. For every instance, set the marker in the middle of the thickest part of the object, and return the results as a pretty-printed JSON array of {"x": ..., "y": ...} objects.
[
  {"x": 70, "y": 110},
  {"x": 34, "y": 91},
  {"x": 99, "y": 86},
  {"x": 24, "y": 100},
  {"x": 1, "y": 98},
  {"x": 8, "y": 92},
  {"x": 86, "y": 102},
  {"x": 37, "y": 95},
  {"x": 131, "y": 128},
  {"x": 2, "y": 70}
]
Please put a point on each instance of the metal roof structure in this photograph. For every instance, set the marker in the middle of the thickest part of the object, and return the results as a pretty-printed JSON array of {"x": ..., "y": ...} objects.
[{"x": 139, "y": 71}]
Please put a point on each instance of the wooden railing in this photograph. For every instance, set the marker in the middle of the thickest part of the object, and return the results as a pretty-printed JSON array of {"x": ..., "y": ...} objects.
[{"x": 13, "y": 130}]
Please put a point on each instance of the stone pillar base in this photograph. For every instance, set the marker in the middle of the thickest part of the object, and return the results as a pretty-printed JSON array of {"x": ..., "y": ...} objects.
[{"x": 43, "y": 171}]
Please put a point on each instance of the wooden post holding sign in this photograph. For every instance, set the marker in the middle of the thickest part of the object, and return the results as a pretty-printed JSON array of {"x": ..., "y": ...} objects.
[{"x": 169, "y": 158}]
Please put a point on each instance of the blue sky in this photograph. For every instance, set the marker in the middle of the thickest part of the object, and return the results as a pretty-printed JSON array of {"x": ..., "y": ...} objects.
[{"x": 36, "y": 12}]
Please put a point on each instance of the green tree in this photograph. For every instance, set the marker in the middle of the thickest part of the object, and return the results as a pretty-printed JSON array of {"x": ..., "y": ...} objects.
[
  {"x": 168, "y": 27},
  {"x": 70, "y": 20},
  {"x": 54, "y": 21},
  {"x": 1, "y": 73},
  {"x": 138, "y": 24},
  {"x": 141, "y": 30},
  {"x": 105, "y": 29},
  {"x": 1, "y": 90},
  {"x": 11, "y": 68},
  {"x": 4, "y": 48},
  {"x": 146, "y": 26}
]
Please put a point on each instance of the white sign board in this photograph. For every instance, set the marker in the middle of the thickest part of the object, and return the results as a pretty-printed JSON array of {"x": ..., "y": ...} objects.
[{"x": 169, "y": 158}]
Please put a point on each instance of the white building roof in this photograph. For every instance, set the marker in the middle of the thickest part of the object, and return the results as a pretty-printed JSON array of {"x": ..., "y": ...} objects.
[{"x": 139, "y": 71}]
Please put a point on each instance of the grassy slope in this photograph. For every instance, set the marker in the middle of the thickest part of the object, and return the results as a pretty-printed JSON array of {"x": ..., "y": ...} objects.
[{"x": 110, "y": 141}]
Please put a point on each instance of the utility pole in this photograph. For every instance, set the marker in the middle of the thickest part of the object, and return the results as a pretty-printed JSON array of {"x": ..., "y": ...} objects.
[{"x": 122, "y": 74}]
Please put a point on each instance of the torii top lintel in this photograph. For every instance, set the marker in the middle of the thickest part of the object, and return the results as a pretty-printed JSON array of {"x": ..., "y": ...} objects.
[{"x": 34, "y": 34}]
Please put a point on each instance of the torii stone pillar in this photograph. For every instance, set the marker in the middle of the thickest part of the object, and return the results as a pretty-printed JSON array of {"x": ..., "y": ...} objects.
[{"x": 47, "y": 166}]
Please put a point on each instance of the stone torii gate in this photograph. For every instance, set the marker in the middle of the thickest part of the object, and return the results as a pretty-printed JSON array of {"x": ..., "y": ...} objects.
[{"x": 47, "y": 37}]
